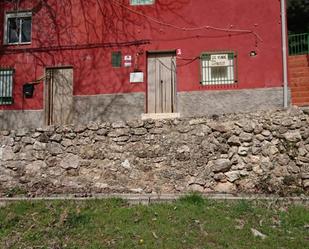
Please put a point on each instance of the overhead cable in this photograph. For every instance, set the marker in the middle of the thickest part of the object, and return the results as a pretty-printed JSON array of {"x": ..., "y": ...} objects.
[{"x": 153, "y": 19}]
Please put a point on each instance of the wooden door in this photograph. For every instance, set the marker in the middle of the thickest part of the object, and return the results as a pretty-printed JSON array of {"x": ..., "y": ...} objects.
[
  {"x": 59, "y": 96},
  {"x": 161, "y": 92}
]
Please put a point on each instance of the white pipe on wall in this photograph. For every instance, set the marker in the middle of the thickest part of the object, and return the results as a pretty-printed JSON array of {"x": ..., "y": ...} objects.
[{"x": 284, "y": 53}]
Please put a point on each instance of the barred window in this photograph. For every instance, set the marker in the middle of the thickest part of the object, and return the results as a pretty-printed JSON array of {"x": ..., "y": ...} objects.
[
  {"x": 18, "y": 28},
  {"x": 142, "y": 2},
  {"x": 218, "y": 68},
  {"x": 6, "y": 86},
  {"x": 116, "y": 59}
]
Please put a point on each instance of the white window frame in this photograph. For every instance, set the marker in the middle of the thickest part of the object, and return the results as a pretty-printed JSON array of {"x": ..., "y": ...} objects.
[
  {"x": 141, "y": 2},
  {"x": 207, "y": 78},
  {"x": 23, "y": 14}
]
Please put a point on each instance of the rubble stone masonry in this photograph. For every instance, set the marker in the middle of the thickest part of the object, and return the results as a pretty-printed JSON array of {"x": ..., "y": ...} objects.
[{"x": 261, "y": 152}]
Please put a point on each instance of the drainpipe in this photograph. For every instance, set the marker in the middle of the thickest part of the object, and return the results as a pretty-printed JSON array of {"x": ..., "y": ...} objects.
[{"x": 284, "y": 53}]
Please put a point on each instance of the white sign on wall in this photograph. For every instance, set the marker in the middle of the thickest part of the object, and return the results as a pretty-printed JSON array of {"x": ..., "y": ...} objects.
[
  {"x": 127, "y": 57},
  {"x": 137, "y": 77},
  {"x": 127, "y": 60},
  {"x": 219, "y": 60},
  {"x": 127, "y": 64}
]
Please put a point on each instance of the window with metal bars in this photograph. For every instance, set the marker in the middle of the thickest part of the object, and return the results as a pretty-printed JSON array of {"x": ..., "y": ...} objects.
[
  {"x": 18, "y": 28},
  {"x": 142, "y": 2},
  {"x": 116, "y": 59},
  {"x": 218, "y": 68},
  {"x": 6, "y": 86}
]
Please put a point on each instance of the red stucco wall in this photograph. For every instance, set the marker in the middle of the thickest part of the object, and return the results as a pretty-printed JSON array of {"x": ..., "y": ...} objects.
[{"x": 74, "y": 23}]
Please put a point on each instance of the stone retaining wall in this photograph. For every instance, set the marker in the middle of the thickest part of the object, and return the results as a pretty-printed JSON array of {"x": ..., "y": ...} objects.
[{"x": 263, "y": 152}]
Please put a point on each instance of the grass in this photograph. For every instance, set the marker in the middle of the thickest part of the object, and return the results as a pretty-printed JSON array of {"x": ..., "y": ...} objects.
[{"x": 191, "y": 222}]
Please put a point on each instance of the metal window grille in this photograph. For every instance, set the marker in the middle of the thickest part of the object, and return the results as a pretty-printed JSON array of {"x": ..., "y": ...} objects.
[
  {"x": 6, "y": 86},
  {"x": 116, "y": 59},
  {"x": 218, "y": 68},
  {"x": 142, "y": 2}
]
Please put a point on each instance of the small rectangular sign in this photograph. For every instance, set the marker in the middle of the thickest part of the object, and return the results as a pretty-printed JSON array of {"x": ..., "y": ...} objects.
[
  {"x": 219, "y": 60},
  {"x": 137, "y": 77},
  {"x": 127, "y": 64},
  {"x": 127, "y": 57}
]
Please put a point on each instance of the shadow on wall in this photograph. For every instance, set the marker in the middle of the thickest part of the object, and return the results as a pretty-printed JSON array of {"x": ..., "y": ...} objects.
[{"x": 59, "y": 39}]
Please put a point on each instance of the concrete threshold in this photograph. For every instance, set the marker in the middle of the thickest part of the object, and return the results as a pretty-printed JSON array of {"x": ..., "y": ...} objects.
[
  {"x": 151, "y": 198},
  {"x": 160, "y": 116}
]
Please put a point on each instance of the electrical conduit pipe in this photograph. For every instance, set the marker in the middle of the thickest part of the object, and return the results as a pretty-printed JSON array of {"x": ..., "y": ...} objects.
[{"x": 284, "y": 53}]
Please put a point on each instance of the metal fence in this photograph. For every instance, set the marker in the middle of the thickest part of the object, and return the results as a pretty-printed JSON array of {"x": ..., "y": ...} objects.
[
  {"x": 6, "y": 86},
  {"x": 299, "y": 44}
]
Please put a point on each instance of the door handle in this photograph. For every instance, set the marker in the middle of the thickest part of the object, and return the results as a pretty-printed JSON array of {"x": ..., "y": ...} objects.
[{"x": 161, "y": 81}]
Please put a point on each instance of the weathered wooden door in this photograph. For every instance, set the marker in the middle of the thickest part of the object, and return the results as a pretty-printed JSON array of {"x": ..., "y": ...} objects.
[
  {"x": 161, "y": 93},
  {"x": 59, "y": 96}
]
